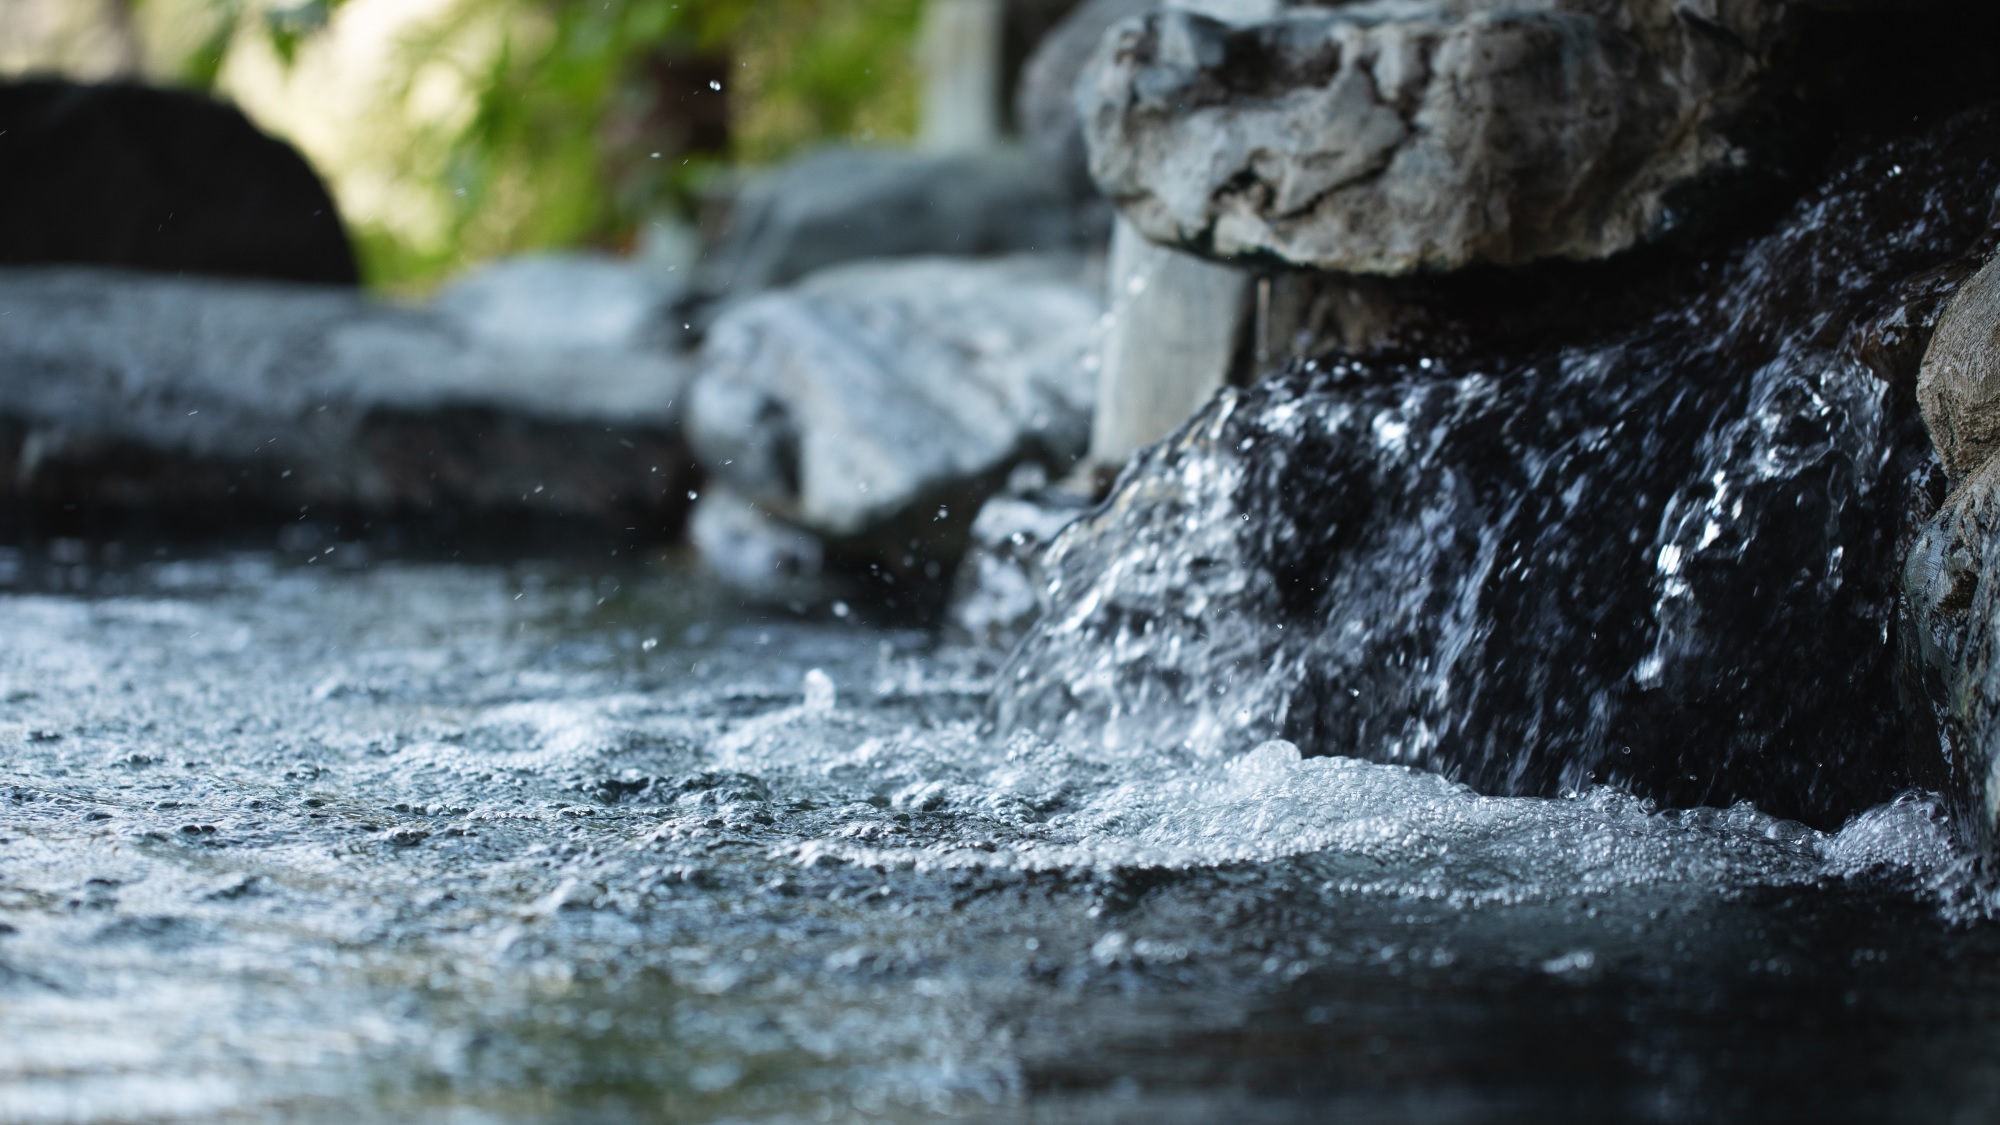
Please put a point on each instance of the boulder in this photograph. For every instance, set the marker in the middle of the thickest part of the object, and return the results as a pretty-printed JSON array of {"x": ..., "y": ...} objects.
[
  {"x": 879, "y": 403},
  {"x": 580, "y": 302},
  {"x": 1045, "y": 96},
  {"x": 1388, "y": 138},
  {"x": 844, "y": 204},
  {"x": 147, "y": 396},
  {"x": 1958, "y": 386},
  {"x": 124, "y": 175}
]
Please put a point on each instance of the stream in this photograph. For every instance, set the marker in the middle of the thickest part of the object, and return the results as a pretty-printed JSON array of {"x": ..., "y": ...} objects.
[{"x": 427, "y": 841}]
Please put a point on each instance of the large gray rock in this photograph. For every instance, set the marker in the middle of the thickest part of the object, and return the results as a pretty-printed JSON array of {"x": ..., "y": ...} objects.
[
  {"x": 150, "y": 391},
  {"x": 883, "y": 401},
  {"x": 573, "y": 302},
  {"x": 1392, "y": 136},
  {"x": 1958, "y": 387},
  {"x": 1045, "y": 98},
  {"x": 845, "y": 204}
]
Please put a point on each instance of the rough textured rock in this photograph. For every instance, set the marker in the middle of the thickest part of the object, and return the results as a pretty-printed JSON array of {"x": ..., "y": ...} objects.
[
  {"x": 1394, "y": 137},
  {"x": 1951, "y": 654},
  {"x": 123, "y": 175},
  {"x": 1662, "y": 554},
  {"x": 1959, "y": 386},
  {"x": 1045, "y": 97},
  {"x": 883, "y": 401},
  {"x": 154, "y": 397},
  {"x": 844, "y": 204}
]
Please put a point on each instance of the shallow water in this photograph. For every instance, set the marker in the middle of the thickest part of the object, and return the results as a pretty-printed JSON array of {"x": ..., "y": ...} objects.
[{"x": 473, "y": 843}]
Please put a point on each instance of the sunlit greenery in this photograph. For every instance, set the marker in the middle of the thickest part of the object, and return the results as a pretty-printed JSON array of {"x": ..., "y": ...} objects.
[{"x": 512, "y": 122}]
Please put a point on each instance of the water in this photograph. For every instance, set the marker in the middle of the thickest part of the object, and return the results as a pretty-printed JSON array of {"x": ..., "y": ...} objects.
[
  {"x": 1657, "y": 551},
  {"x": 529, "y": 843}
]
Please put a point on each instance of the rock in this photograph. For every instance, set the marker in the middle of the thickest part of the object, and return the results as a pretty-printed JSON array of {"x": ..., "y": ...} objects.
[
  {"x": 881, "y": 402},
  {"x": 1661, "y": 554},
  {"x": 845, "y": 204},
  {"x": 1951, "y": 655},
  {"x": 750, "y": 549},
  {"x": 996, "y": 595},
  {"x": 1177, "y": 323},
  {"x": 151, "y": 398},
  {"x": 1432, "y": 134},
  {"x": 1045, "y": 98},
  {"x": 123, "y": 175},
  {"x": 1959, "y": 384},
  {"x": 574, "y": 302}
]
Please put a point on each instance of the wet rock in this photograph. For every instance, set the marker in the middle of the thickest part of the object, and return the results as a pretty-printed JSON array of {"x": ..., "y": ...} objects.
[
  {"x": 845, "y": 204},
  {"x": 1664, "y": 556},
  {"x": 1959, "y": 385},
  {"x": 180, "y": 400},
  {"x": 876, "y": 405},
  {"x": 1388, "y": 139},
  {"x": 996, "y": 594},
  {"x": 749, "y": 548},
  {"x": 123, "y": 175}
]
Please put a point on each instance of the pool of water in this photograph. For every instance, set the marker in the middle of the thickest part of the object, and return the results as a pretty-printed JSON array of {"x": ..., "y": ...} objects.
[{"x": 533, "y": 842}]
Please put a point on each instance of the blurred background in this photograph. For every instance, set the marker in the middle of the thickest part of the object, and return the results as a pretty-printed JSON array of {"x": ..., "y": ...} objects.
[{"x": 456, "y": 131}]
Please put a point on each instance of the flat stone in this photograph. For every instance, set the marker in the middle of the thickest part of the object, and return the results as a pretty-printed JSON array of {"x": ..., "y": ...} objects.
[
  {"x": 888, "y": 399},
  {"x": 1394, "y": 136},
  {"x": 1958, "y": 387},
  {"x": 146, "y": 393}
]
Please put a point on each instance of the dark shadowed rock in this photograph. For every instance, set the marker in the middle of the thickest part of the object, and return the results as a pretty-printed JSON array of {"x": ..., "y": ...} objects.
[
  {"x": 153, "y": 398},
  {"x": 124, "y": 175},
  {"x": 1663, "y": 556}
]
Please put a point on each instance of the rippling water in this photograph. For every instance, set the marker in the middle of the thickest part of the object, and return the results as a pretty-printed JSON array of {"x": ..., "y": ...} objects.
[{"x": 462, "y": 843}]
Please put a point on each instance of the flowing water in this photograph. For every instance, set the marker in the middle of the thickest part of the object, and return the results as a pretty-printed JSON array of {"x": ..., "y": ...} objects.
[
  {"x": 435, "y": 842},
  {"x": 324, "y": 839}
]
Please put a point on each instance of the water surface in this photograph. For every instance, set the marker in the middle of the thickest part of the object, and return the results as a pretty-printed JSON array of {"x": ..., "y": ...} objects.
[{"x": 439, "y": 842}]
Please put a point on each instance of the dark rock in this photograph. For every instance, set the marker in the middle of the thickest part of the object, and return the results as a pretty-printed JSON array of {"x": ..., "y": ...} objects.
[
  {"x": 190, "y": 404},
  {"x": 124, "y": 175},
  {"x": 1664, "y": 558}
]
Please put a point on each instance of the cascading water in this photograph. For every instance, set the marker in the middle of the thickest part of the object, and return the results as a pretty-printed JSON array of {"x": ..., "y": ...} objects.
[
  {"x": 1665, "y": 561},
  {"x": 325, "y": 840}
]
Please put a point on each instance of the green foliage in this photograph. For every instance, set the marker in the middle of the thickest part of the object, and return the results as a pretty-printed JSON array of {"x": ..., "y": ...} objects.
[{"x": 554, "y": 150}]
